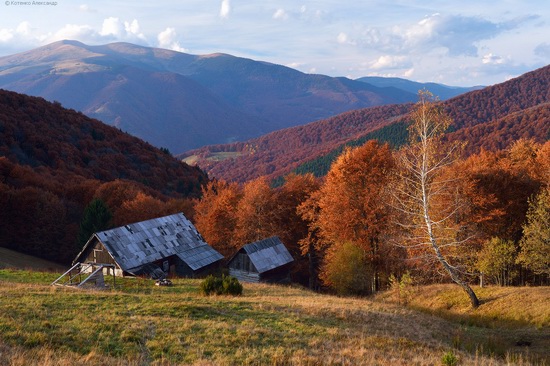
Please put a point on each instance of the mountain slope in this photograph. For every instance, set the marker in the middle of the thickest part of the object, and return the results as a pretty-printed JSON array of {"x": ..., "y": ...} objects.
[
  {"x": 182, "y": 101},
  {"x": 164, "y": 108},
  {"x": 281, "y": 151},
  {"x": 53, "y": 161},
  {"x": 490, "y": 118}
]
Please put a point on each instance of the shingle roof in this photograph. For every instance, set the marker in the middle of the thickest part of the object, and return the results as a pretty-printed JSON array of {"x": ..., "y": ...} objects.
[
  {"x": 144, "y": 242},
  {"x": 268, "y": 254}
]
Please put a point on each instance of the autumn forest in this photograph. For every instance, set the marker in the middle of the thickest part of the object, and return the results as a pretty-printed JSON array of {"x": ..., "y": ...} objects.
[{"x": 350, "y": 233}]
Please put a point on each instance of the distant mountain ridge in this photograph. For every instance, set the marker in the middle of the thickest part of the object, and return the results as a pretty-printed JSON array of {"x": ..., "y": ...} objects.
[
  {"x": 490, "y": 118},
  {"x": 443, "y": 92},
  {"x": 182, "y": 101}
]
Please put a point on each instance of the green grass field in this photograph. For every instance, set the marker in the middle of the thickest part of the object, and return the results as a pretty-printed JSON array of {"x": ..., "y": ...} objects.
[{"x": 141, "y": 324}]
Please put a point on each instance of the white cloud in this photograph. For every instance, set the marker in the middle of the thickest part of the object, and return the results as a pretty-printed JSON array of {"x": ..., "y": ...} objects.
[
  {"x": 225, "y": 9},
  {"x": 86, "y": 9},
  {"x": 113, "y": 28},
  {"x": 408, "y": 73},
  {"x": 24, "y": 28},
  {"x": 459, "y": 34},
  {"x": 23, "y": 34},
  {"x": 132, "y": 28},
  {"x": 74, "y": 31},
  {"x": 456, "y": 34},
  {"x": 391, "y": 62},
  {"x": 280, "y": 14},
  {"x": 295, "y": 65},
  {"x": 342, "y": 38},
  {"x": 168, "y": 39},
  {"x": 6, "y": 35},
  {"x": 492, "y": 59}
]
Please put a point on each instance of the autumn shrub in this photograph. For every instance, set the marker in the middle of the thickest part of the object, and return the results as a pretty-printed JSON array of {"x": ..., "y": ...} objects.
[
  {"x": 231, "y": 286},
  {"x": 497, "y": 261},
  {"x": 449, "y": 359},
  {"x": 402, "y": 288},
  {"x": 225, "y": 285},
  {"x": 347, "y": 270}
]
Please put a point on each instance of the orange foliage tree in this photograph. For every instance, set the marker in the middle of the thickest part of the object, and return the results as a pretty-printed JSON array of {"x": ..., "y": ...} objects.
[
  {"x": 216, "y": 215},
  {"x": 292, "y": 228},
  {"x": 351, "y": 207},
  {"x": 258, "y": 210}
]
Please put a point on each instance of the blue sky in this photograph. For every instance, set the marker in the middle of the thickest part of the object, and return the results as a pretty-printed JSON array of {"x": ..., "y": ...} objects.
[{"x": 463, "y": 43}]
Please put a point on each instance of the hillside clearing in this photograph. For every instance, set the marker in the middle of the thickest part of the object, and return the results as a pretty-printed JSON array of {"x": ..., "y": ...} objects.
[
  {"x": 215, "y": 156},
  {"x": 139, "y": 323}
]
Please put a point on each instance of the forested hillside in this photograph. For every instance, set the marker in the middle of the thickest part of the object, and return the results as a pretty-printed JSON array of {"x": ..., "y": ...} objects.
[
  {"x": 279, "y": 152},
  {"x": 54, "y": 161},
  {"x": 491, "y": 118}
]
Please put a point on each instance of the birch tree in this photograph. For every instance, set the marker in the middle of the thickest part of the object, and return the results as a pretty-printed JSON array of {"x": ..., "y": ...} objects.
[{"x": 426, "y": 202}]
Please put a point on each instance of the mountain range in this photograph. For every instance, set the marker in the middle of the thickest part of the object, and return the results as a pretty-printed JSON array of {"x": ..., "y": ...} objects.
[
  {"x": 181, "y": 101},
  {"x": 490, "y": 118}
]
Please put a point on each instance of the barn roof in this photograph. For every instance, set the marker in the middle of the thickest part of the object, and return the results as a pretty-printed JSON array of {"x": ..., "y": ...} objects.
[
  {"x": 138, "y": 244},
  {"x": 268, "y": 254}
]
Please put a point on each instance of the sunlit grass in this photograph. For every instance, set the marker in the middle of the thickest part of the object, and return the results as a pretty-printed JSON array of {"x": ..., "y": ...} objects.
[{"x": 139, "y": 324}]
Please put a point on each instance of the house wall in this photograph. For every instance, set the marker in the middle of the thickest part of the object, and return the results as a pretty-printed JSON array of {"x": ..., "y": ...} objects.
[
  {"x": 242, "y": 268},
  {"x": 98, "y": 254},
  {"x": 277, "y": 275},
  {"x": 244, "y": 276},
  {"x": 183, "y": 269},
  {"x": 209, "y": 269}
]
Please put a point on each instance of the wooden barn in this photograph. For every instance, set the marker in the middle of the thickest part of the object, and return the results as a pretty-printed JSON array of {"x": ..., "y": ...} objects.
[
  {"x": 266, "y": 260},
  {"x": 156, "y": 247}
]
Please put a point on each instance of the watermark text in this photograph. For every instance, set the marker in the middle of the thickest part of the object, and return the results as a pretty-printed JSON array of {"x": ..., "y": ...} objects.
[{"x": 30, "y": 3}]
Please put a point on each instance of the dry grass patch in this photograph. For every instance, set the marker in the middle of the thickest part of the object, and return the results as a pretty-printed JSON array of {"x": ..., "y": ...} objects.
[
  {"x": 510, "y": 320},
  {"x": 141, "y": 324}
]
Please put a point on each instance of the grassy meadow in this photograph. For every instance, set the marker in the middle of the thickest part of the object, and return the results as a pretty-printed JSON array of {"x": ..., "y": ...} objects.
[{"x": 141, "y": 324}]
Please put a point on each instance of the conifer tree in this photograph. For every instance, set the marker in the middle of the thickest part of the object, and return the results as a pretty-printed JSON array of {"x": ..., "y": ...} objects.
[{"x": 97, "y": 217}]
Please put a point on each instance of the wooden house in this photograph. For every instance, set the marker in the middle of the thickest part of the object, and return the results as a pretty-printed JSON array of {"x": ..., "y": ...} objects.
[
  {"x": 266, "y": 260},
  {"x": 156, "y": 247}
]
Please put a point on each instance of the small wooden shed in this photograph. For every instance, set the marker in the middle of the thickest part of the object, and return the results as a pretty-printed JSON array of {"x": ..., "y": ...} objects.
[
  {"x": 266, "y": 260},
  {"x": 169, "y": 244}
]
